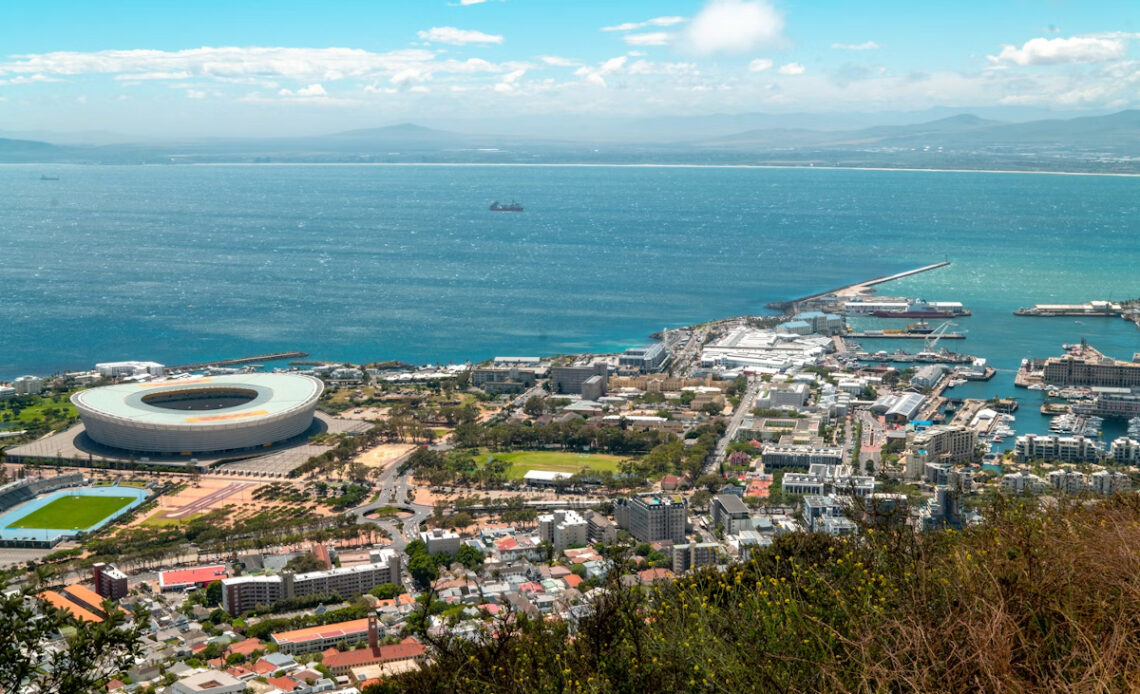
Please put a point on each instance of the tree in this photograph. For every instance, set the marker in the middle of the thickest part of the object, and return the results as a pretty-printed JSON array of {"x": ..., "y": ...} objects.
[
  {"x": 534, "y": 406},
  {"x": 700, "y": 498},
  {"x": 86, "y": 660},
  {"x": 386, "y": 591},
  {"x": 302, "y": 564},
  {"x": 213, "y": 593},
  {"x": 711, "y": 482},
  {"x": 469, "y": 557},
  {"x": 423, "y": 571}
]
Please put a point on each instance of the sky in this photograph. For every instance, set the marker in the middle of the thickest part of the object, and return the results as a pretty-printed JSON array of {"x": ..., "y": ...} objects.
[{"x": 295, "y": 68}]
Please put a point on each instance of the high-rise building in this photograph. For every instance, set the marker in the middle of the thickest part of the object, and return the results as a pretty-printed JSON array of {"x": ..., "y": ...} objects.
[
  {"x": 570, "y": 379},
  {"x": 109, "y": 581},
  {"x": 653, "y": 517}
]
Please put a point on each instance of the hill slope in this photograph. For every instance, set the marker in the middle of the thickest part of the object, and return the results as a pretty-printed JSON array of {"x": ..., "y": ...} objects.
[{"x": 1031, "y": 601}]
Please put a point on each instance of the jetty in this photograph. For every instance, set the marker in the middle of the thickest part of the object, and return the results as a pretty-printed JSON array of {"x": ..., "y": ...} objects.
[
  {"x": 276, "y": 356},
  {"x": 852, "y": 289},
  {"x": 902, "y": 335}
]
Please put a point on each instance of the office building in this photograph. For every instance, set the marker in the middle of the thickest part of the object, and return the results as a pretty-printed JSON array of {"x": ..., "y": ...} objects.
[
  {"x": 568, "y": 380},
  {"x": 730, "y": 513},
  {"x": 644, "y": 359},
  {"x": 439, "y": 540},
  {"x": 776, "y": 456},
  {"x": 653, "y": 517}
]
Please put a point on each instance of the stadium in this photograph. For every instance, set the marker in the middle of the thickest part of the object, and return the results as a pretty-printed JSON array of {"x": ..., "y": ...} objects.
[{"x": 200, "y": 415}]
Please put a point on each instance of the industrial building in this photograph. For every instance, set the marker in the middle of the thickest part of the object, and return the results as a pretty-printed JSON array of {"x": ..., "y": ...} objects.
[
  {"x": 653, "y": 517},
  {"x": 200, "y": 415}
]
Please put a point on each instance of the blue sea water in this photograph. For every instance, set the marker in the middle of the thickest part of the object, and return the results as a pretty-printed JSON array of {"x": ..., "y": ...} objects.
[{"x": 364, "y": 263}]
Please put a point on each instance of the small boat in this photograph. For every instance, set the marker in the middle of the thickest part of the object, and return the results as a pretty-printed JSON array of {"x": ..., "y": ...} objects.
[
  {"x": 510, "y": 207},
  {"x": 48, "y": 178}
]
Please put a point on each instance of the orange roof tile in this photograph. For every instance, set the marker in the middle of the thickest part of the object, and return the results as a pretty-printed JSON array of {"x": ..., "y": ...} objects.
[
  {"x": 327, "y": 631},
  {"x": 55, "y": 599}
]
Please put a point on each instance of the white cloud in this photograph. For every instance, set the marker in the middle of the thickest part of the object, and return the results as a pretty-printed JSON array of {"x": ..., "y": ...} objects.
[
  {"x": 1059, "y": 51},
  {"x": 312, "y": 90},
  {"x": 865, "y": 46},
  {"x": 558, "y": 61},
  {"x": 470, "y": 2},
  {"x": 657, "y": 38},
  {"x": 458, "y": 37},
  {"x": 29, "y": 79},
  {"x": 791, "y": 69},
  {"x": 760, "y": 65},
  {"x": 734, "y": 26},
  {"x": 655, "y": 22},
  {"x": 645, "y": 67},
  {"x": 156, "y": 76},
  {"x": 195, "y": 94},
  {"x": 595, "y": 75}
]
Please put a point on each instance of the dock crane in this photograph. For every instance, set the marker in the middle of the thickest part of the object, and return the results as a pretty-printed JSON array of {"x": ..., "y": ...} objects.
[{"x": 931, "y": 340}]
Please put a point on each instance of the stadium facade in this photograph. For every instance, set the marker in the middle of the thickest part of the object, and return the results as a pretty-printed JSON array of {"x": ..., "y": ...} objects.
[{"x": 200, "y": 415}]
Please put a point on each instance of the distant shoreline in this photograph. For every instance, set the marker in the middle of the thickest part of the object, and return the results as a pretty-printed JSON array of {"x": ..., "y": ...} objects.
[
  {"x": 662, "y": 166},
  {"x": 589, "y": 165}
]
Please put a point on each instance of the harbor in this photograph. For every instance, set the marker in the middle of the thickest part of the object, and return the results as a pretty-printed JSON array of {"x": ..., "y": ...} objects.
[
  {"x": 238, "y": 361},
  {"x": 850, "y": 290}
]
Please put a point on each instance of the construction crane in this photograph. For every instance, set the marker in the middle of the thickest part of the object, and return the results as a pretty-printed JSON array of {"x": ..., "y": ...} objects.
[{"x": 931, "y": 340}]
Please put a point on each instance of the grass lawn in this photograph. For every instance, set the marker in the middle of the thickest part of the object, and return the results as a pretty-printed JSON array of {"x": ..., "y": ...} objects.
[
  {"x": 555, "y": 461},
  {"x": 73, "y": 512}
]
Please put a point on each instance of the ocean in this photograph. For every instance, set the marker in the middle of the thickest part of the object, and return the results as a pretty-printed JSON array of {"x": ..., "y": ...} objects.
[{"x": 368, "y": 263}]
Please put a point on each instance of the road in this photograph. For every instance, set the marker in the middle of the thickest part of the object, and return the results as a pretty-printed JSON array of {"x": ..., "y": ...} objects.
[
  {"x": 394, "y": 489},
  {"x": 738, "y": 416}
]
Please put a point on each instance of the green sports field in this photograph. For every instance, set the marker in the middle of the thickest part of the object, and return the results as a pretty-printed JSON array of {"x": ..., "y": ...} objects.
[
  {"x": 73, "y": 512},
  {"x": 555, "y": 461}
]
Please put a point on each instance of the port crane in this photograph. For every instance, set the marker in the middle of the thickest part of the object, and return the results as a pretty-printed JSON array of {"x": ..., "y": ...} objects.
[{"x": 931, "y": 340}]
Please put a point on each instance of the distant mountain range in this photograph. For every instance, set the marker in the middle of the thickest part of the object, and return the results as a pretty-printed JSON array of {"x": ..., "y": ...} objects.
[{"x": 1108, "y": 142}]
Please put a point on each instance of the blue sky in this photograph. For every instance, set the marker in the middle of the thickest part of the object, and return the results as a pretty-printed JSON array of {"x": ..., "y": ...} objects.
[{"x": 278, "y": 67}]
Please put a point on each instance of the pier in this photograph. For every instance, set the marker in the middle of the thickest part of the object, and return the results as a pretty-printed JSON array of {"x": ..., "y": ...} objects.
[
  {"x": 853, "y": 289},
  {"x": 880, "y": 335},
  {"x": 276, "y": 356}
]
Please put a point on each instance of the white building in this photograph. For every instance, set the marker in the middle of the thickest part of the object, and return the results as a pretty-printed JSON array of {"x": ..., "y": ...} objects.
[
  {"x": 753, "y": 348},
  {"x": 928, "y": 376},
  {"x": 123, "y": 369},
  {"x": 440, "y": 540},
  {"x": 1107, "y": 482},
  {"x": 1125, "y": 450},
  {"x": 1021, "y": 483},
  {"x": 209, "y": 682},
  {"x": 28, "y": 385},
  {"x": 7, "y": 392},
  {"x": 783, "y": 396},
  {"x": 1067, "y": 481},
  {"x": 563, "y": 529},
  {"x": 1069, "y": 449}
]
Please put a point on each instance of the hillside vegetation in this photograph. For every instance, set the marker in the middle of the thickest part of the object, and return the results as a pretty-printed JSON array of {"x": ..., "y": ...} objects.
[{"x": 1034, "y": 600}]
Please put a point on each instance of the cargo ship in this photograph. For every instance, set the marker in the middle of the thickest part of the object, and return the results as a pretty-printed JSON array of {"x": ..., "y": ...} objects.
[
  {"x": 510, "y": 207},
  {"x": 922, "y": 309}
]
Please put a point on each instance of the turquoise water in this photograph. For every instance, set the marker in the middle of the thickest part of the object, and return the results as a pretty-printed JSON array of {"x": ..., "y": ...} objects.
[{"x": 361, "y": 263}]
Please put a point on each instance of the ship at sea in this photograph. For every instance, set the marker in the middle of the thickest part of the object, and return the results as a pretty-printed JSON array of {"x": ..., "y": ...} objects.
[
  {"x": 45, "y": 177},
  {"x": 510, "y": 207},
  {"x": 922, "y": 309}
]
